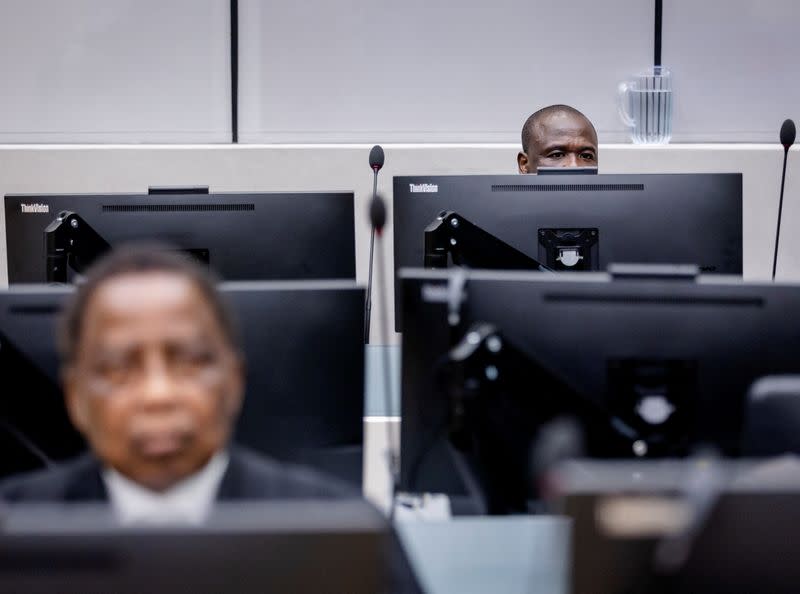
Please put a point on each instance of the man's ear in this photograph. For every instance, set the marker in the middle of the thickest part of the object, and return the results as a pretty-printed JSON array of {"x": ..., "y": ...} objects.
[
  {"x": 522, "y": 162},
  {"x": 76, "y": 405}
]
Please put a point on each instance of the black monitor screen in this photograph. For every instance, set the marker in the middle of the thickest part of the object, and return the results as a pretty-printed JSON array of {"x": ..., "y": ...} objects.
[
  {"x": 633, "y": 218},
  {"x": 243, "y": 547},
  {"x": 649, "y": 367},
  {"x": 34, "y": 425},
  {"x": 242, "y": 236},
  {"x": 292, "y": 411}
]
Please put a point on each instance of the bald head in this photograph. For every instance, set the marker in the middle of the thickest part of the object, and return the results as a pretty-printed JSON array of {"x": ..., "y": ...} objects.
[{"x": 557, "y": 136}]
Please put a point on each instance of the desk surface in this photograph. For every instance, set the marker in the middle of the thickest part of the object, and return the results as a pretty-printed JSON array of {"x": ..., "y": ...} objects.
[{"x": 513, "y": 555}]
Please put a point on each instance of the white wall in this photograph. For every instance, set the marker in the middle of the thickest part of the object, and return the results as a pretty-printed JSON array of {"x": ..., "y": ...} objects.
[
  {"x": 383, "y": 71},
  {"x": 735, "y": 65},
  {"x": 114, "y": 71},
  {"x": 432, "y": 70},
  {"x": 48, "y": 169}
]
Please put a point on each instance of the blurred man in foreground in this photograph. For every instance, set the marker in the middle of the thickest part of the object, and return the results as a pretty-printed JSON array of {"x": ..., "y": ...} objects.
[{"x": 154, "y": 379}]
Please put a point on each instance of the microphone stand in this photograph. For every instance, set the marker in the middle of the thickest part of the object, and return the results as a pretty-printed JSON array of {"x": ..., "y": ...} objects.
[
  {"x": 787, "y": 137},
  {"x": 780, "y": 212},
  {"x": 368, "y": 303}
]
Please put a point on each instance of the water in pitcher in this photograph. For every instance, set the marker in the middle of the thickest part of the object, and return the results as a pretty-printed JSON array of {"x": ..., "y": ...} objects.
[{"x": 646, "y": 106}]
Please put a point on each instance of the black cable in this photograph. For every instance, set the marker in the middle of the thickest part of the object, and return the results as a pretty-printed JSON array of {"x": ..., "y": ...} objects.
[
  {"x": 29, "y": 445},
  {"x": 234, "y": 71},
  {"x": 657, "y": 35}
]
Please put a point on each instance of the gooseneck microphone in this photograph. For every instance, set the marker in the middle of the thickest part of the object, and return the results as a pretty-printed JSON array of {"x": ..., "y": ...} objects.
[
  {"x": 377, "y": 214},
  {"x": 788, "y": 134},
  {"x": 376, "y": 158}
]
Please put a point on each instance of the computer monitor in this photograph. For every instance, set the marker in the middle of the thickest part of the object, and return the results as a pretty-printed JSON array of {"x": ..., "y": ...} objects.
[
  {"x": 305, "y": 382},
  {"x": 34, "y": 426},
  {"x": 699, "y": 525},
  {"x": 589, "y": 221},
  {"x": 650, "y": 367},
  {"x": 304, "y": 401},
  {"x": 242, "y": 236},
  {"x": 279, "y": 546}
]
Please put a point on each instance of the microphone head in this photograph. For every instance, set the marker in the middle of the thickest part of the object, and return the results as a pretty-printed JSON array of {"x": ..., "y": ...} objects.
[
  {"x": 377, "y": 213},
  {"x": 788, "y": 134},
  {"x": 376, "y": 157}
]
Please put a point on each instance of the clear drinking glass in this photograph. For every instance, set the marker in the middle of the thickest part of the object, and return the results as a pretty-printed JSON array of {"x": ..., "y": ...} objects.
[{"x": 645, "y": 106}]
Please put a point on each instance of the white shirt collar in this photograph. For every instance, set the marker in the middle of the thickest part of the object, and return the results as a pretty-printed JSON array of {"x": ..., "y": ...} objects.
[{"x": 187, "y": 502}]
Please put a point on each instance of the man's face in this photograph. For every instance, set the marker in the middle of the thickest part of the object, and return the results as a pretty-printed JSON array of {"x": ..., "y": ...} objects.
[
  {"x": 560, "y": 140},
  {"x": 155, "y": 386}
]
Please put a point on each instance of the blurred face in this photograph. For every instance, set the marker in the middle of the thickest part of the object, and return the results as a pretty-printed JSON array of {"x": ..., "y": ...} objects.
[
  {"x": 560, "y": 139},
  {"x": 155, "y": 387}
]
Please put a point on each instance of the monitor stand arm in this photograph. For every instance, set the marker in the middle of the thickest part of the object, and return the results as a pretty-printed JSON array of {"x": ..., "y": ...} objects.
[
  {"x": 469, "y": 245},
  {"x": 70, "y": 242},
  {"x": 500, "y": 399}
]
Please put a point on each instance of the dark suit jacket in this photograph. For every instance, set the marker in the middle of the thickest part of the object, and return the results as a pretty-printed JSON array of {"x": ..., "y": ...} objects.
[{"x": 248, "y": 477}]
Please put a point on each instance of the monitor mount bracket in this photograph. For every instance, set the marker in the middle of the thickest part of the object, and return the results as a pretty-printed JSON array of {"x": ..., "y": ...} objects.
[
  {"x": 569, "y": 249},
  {"x": 450, "y": 234},
  {"x": 70, "y": 242}
]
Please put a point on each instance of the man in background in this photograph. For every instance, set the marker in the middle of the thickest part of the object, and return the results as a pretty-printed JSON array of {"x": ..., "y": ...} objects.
[{"x": 557, "y": 136}]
